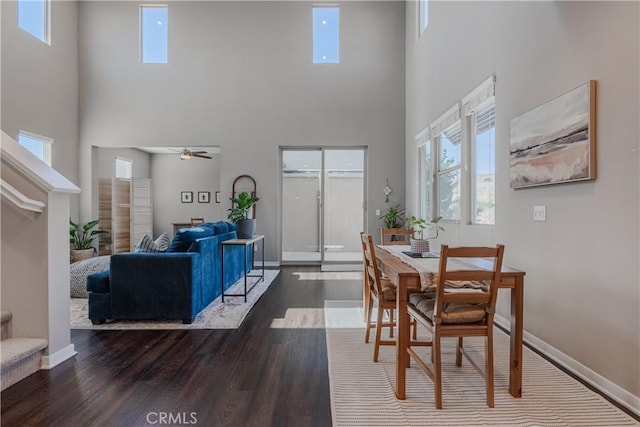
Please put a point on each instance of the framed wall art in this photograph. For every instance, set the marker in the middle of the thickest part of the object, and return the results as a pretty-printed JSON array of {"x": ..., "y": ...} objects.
[
  {"x": 186, "y": 196},
  {"x": 203, "y": 196},
  {"x": 556, "y": 141}
]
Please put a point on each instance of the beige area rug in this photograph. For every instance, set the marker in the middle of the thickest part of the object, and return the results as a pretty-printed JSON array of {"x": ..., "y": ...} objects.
[
  {"x": 217, "y": 315},
  {"x": 362, "y": 392}
]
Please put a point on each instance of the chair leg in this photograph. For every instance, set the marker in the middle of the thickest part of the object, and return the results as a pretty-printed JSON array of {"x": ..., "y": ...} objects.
[
  {"x": 368, "y": 319},
  {"x": 459, "y": 352},
  {"x": 414, "y": 324},
  {"x": 378, "y": 332},
  {"x": 437, "y": 374},
  {"x": 391, "y": 323},
  {"x": 489, "y": 368}
]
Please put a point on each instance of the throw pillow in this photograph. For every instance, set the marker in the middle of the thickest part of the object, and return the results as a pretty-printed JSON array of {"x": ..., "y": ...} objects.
[
  {"x": 147, "y": 245},
  {"x": 220, "y": 227},
  {"x": 186, "y": 236}
]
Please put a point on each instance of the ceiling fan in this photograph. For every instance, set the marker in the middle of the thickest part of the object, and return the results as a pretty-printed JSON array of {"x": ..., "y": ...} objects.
[{"x": 187, "y": 154}]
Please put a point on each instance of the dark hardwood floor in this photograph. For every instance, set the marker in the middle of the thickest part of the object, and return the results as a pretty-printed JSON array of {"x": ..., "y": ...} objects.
[{"x": 253, "y": 376}]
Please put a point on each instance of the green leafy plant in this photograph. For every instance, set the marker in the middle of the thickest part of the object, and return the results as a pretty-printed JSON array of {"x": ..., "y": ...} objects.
[
  {"x": 81, "y": 237},
  {"x": 393, "y": 218},
  {"x": 419, "y": 225},
  {"x": 241, "y": 206}
]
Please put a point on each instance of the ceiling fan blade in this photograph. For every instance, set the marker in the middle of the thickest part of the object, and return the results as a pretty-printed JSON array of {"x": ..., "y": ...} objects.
[{"x": 196, "y": 154}]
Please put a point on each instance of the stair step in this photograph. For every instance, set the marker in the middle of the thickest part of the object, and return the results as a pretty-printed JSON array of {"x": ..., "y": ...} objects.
[
  {"x": 13, "y": 350},
  {"x": 20, "y": 357}
]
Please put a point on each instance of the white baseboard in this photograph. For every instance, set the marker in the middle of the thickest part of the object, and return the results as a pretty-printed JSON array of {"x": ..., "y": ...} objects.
[
  {"x": 53, "y": 360},
  {"x": 597, "y": 381}
]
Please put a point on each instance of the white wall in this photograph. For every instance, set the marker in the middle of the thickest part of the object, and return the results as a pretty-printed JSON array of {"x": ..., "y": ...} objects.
[
  {"x": 582, "y": 293},
  {"x": 240, "y": 77},
  {"x": 141, "y": 162},
  {"x": 171, "y": 176},
  {"x": 40, "y": 84}
]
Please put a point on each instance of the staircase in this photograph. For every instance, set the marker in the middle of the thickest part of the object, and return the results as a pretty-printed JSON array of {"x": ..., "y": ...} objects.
[{"x": 20, "y": 357}]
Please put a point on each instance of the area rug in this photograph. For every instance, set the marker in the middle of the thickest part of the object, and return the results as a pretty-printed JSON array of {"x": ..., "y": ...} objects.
[
  {"x": 362, "y": 392},
  {"x": 217, "y": 315}
]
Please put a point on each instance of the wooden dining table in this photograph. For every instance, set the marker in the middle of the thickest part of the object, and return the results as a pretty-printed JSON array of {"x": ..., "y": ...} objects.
[{"x": 406, "y": 277}]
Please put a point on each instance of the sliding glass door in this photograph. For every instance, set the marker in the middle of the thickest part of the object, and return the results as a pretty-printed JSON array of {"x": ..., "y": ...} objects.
[{"x": 323, "y": 204}]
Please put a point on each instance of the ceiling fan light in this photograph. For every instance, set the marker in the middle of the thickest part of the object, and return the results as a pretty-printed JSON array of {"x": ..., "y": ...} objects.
[{"x": 185, "y": 156}]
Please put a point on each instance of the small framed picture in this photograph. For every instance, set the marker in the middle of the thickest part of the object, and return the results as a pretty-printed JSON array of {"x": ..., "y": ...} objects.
[
  {"x": 203, "y": 197},
  {"x": 186, "y": 196},
  {"x": 217, "y": 197}
]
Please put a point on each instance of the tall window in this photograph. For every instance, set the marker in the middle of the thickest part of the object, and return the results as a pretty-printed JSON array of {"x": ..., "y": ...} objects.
[
  {"x": 457, "y": 160},
  {"x": 33, "y": 17},
  {"x": 326, "y": 35},
  {"x": 483, "y": 171},
  {"x": 423, "y": 14},
  {"x": 40, "y": 146},
  {"x": 124, "y": 168},
  {"x": 425, "y": 166},
  {"x": 450, "y": 172},
  {"x": 154, "y": 23}
]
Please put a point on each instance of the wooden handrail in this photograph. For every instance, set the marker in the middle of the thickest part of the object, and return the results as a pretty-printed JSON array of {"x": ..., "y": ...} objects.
[{"x": 20, "y": 200}]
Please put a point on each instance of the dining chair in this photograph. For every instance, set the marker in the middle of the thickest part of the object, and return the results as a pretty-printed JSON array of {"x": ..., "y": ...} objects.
[
  {"x": 461, "y": 305},
  {"x": 382, "y": 292},
  {"x": 196, "y": 221},
  {"x": 395, "y": 236}
]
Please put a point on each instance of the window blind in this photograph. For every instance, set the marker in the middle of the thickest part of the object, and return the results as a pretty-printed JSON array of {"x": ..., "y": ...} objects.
[
  {"x": 445, "y": 121},
  {"x": 479, "y": 97},
  {"x": 124, "y": 168},
  {"x": 486, "y": 120}
]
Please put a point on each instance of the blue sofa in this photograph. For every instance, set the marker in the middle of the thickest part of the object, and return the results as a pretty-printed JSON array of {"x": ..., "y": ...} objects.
[{"x": 172, "y": 285}]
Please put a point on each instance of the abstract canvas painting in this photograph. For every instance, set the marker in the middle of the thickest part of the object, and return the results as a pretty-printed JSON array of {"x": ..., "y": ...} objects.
[{"x": 555, "y": 142}]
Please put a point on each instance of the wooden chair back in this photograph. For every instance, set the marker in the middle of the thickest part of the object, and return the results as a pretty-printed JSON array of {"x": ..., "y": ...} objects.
[
  {"x": 481, "y": 285},
  {"x": 196, "y": 221},
  {"x": 395, "y": 236},
  {"x": 371, "y": 263}
]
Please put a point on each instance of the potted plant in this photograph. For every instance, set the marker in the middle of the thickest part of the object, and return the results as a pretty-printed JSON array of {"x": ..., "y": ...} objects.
[
  {"x": 239, "y": 214},
  {"x": 81, "y": 239},
  {"x": 393, "y": 217},
  {"x": 419, "y": 225}
]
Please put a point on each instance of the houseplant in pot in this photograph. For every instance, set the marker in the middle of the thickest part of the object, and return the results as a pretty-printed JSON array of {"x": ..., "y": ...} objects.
[
  {"x": 420, "y": 244},
  {"x": 81, "y": 239},
  {"x": 393, "y": 218},
  {"x": 240, "y": 212}
]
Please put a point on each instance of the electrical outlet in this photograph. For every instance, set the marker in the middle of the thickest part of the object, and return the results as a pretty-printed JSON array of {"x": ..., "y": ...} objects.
[{"x": 539, "y": 213}]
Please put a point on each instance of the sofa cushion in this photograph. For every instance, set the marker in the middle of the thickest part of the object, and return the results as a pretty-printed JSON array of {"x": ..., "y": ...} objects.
[
  {"x": 220, "y": 227},
  {"x": 186, "y": 236},
  {"x": 147, "y": 245},
  {"x": 98, "y": 282}
]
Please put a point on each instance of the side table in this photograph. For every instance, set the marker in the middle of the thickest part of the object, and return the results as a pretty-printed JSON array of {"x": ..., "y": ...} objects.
[{"x": 247, "y": 244}]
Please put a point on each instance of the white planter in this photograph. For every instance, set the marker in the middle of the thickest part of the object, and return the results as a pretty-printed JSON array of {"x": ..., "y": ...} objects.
[{"x": 419, "y": 245}]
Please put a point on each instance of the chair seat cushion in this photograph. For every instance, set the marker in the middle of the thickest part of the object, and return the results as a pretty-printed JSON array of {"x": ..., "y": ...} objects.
[{"x": 453, "y": 313}]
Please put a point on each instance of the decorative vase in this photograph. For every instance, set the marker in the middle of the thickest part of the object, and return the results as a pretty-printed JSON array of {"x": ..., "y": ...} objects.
[
  {"x": 246, "y": 227},
  {"x": 419, "y": 245},
  {"x": 80, "y": 254}
]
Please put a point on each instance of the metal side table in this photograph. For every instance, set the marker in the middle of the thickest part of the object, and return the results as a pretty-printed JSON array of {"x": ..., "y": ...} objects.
[{"x": 247, "y": 244}]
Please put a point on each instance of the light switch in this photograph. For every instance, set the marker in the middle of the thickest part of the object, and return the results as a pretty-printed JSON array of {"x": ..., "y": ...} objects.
[
  {"x": 378, "y": 212},
  {"x": 539, "y": 213}
]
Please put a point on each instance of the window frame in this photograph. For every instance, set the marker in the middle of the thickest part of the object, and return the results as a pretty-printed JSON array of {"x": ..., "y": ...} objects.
[
  {"x": 313, "y": 41},
  {"x": 423, "y": 16},
  {"x": 47, "y": 22},
  {"x": 462, "y": 114},
  {"x": 129, "y": 167},
  {"x": 473, "y": 145},
  {"x": 47, "y": 145},
  {"x": 142, "y": 7}
]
